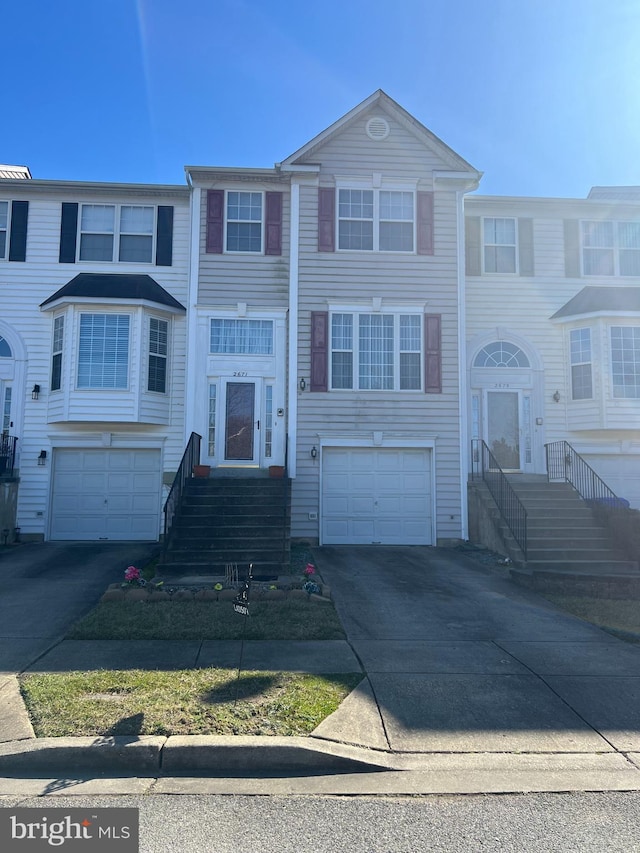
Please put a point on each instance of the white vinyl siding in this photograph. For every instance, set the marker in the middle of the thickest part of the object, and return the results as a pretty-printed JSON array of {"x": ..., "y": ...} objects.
[
  {"x": 4, "y": 228},
  {"x": 103, "y": 355},
  {"x": 132, "y": 224}
]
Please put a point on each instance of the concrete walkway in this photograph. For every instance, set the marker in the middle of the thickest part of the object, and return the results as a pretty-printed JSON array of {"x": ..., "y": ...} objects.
[{"x": 468, "y": 679}]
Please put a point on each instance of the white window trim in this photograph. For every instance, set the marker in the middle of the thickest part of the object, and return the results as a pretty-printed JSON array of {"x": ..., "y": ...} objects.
[
  {"x": 166, "y": 356},
  {"x": 227, "y": 251},
  {"x": 377, "y": 183},
  {"x": 573, "y": 364},
  {"x": 615, "y": 396},
  {"x": 130, "y": 352},
  {"x": 115, "y": 254},
  {"x": 516, "y": 270},
  {"x": 614, "y": 248},
  {"x": 4, "y": 256},
  {"x": 355, "y": 350}
]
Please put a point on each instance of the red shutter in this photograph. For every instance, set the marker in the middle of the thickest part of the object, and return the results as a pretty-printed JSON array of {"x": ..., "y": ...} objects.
[
  {"x": 319, "y": 337},
  {"x": 273, "y": 220},
  {"x": 215, "y": 221},
  {"x": 425, "y": 223},
  {"x": 432, "y": 354},
  {"x": 326, "y": 219}
]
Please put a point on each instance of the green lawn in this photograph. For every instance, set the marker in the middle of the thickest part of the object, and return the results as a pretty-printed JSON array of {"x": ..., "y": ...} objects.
[
  {"x": 184, "y": 702},
  {"x": 618, "y": 616}
]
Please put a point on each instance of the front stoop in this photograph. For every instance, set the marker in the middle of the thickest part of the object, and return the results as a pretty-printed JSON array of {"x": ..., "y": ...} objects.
[{"x": 231, "y": 520}]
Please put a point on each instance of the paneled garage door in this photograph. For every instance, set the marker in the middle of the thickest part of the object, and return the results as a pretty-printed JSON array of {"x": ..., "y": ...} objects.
[
  {"x": 106, "y": 494},
  {"x": 376, "y": 495},
  {"x": 620, "y": 472}
]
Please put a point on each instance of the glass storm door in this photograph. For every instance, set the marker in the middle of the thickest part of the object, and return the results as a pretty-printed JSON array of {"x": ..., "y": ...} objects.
[
  {"x": 503, "y": 428},
  {"x": 240, "y": 422}
]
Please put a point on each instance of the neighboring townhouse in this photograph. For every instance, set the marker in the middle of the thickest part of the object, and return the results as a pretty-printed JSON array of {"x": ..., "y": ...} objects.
[
  {"x": 553, "y": 323},
  {"x": 93, "y": 292},
  {"x": 327, "y": 327}
]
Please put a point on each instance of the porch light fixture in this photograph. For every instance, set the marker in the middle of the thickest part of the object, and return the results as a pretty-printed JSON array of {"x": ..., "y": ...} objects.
[
  {"x": 556, "y": 397},
  {"x": 36, "y": 392},
  {"x": 303, "y": 383},
  {"x": 42, "y": 459},
  {"x": 314, "y": 452}
]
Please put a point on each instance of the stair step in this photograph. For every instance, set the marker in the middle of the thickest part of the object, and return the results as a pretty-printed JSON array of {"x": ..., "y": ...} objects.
[
  {"x": 573, "y": 554},
  {"x": 584, "y": 567}
]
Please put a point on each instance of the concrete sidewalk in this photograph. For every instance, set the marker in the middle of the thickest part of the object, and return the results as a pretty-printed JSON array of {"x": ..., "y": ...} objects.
[{"x": 469, "y": 682}]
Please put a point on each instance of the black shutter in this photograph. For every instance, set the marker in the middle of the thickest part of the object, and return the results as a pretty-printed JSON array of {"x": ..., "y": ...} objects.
[
  {"x": 68, "y": 232},
  {"x": 164, "y": 236},
  {"x": 18, "y": 239}
]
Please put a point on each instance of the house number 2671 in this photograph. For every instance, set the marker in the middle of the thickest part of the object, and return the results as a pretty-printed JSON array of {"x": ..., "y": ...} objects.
[{"x": 240, "y": 373}]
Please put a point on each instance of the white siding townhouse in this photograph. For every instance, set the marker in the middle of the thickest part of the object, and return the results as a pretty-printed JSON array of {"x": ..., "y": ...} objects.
[
  {"x": 93, "y": 289},
  {"x": 353, "y": 314}
]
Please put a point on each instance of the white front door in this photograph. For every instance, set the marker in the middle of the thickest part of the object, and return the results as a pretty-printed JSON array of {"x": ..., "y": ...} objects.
[{"x": 507, "y": 428}]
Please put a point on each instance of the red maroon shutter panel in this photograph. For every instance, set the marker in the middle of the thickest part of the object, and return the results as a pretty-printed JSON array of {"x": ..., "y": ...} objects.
[
  {"x": 326, "y": 219},
  {"x": 425, "y": 223},
  {"x": 432, "y": 354},
  {"x": 319, "y": 336},
  {"x": 273, "y": 242},
  {"x": 215, "y": 221}
]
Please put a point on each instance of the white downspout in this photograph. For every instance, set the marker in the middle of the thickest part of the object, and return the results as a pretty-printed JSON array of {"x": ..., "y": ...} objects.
[
  {"x": 294, "y": 254},
  {"x": 462, "y": 368},
  {"x": 192, "y": 319}
]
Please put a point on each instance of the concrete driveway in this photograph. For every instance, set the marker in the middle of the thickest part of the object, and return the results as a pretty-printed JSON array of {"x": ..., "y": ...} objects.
[
  {"x": 45, "y": 587},
  {"x": 459, "y": 659}
]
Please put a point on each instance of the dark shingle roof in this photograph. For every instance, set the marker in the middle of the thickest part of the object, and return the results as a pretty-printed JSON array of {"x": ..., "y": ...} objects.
[
  {"x": 115, "y": 286},
  {"x": 592, "y": 299}
]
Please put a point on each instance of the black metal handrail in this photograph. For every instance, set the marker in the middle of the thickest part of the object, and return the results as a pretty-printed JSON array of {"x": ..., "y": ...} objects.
[
  {"x": 564, "y": 464},
  {"x": 7, "y": 454},
  {"x": 509, "y": 504},
  {"x": 190, "y": 457}
]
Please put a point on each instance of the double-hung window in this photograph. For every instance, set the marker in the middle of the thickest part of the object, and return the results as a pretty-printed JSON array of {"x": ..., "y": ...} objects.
[
  {"x": 500, "y": 245},
  {"x": 4, "y": 228},
  {"x": 244, "y": 221},
  {"x": 117, "y": 232},
  {"x": 56, "y": 358},
  {"x": 376, "y": 220},
  {"x": 611, "y": 248},
  {"x": 158, "y": 345},
  {"x": 625, "y": 361},
  {"x": 581, "y": 373},
  {"x": 376, "y": 352},
  {"x": 103, "y": 354}
]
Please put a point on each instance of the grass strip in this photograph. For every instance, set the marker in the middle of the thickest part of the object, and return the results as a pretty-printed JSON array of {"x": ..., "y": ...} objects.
[
  {"x": 184, "y": 702},
  {"x": 620, "y": 617},
  {"x": 296, "y": 619}
]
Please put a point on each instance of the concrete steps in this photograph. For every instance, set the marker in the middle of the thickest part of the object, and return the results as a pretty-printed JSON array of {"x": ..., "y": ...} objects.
[{"x": 230, "y": 519}]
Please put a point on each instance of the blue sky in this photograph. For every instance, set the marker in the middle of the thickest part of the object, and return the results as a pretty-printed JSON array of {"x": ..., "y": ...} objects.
[{"x": 541, "y": 95}]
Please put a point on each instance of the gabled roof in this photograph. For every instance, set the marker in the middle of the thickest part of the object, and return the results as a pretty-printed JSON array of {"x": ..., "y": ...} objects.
[
  {"x": 384, "y": 102},
  {"x": 123, "y": 287},
  {"x": 615, "y": 193},
  {"x": 595, "y": 299}
]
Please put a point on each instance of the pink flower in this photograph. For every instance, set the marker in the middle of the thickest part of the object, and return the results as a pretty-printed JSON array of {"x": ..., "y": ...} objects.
[
  {"x": 132, "y": 574},
  {"x": 310, "y": 570}
]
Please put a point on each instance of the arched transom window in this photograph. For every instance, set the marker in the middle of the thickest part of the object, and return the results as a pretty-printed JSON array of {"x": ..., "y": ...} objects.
[
  {"x": 5, "y": 349},
  {"x": 501, "y": 354}
]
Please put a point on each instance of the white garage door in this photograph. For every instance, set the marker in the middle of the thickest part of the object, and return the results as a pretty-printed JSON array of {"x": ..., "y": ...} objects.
[
  {"x": 620, "y": 473},
  {"x": 376, "y": 496},
  {"x": 106, "y": 494}
]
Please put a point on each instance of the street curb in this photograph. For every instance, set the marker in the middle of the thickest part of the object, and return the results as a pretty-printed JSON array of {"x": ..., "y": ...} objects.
[{"x": 216, "y": 755}]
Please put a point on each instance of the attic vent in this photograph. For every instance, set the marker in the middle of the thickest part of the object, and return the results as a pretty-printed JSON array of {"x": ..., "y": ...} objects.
[{"x": 377, "y": 128}]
